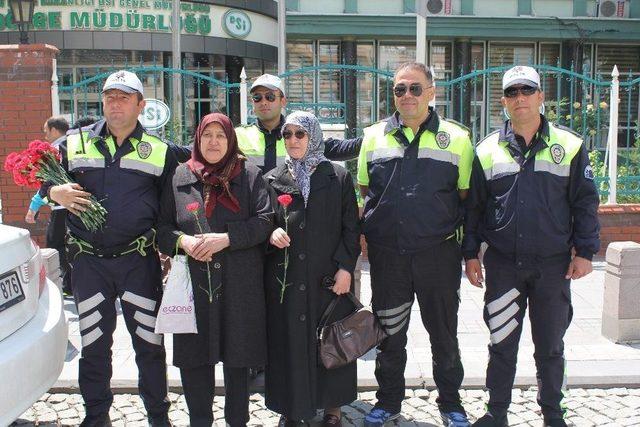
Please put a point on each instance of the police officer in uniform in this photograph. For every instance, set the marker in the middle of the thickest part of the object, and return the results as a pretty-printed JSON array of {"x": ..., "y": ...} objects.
[
  {"x": 124, "y": 167},
  {"x": 534, "y": 202},
  {"x": 262, "y": 142},
  {"x": 414, "y": 170}
]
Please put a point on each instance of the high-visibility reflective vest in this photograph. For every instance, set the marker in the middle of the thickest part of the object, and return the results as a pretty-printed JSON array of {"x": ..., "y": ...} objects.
[
  {"x": 536, "y": 205},
  {"x": 252, "y": 142},
  {"x": 148, "y": 156},
  {"x": 413, "y": 197}
]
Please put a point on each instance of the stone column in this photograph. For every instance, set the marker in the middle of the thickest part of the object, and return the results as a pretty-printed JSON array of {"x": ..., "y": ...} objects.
[
  {"x": 350, "y": 57},
  {"x": 25, "y": 103},
  {"x": 233, "y": 69},
  {"x": 461, "y": 66},
  {"x": 621, "y": 304}
]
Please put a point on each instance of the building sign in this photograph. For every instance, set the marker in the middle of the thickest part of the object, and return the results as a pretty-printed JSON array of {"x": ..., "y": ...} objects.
[
  {"x": 146, "y": 16},
  {"x": 155, "y": 115},
  {"x": 236, "y": 23}
]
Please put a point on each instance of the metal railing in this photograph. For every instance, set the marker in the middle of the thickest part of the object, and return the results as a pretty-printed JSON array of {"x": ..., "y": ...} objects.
[{"x": 359, "y": 96}]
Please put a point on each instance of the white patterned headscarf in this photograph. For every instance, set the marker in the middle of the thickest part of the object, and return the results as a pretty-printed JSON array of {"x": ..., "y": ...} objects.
[{"x": 302, "y": 169}]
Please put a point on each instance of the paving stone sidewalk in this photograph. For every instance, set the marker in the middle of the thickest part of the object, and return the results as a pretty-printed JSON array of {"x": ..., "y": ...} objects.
[
  {"x": 585, "y": 408},
  {"x": 592, "y": 360}
]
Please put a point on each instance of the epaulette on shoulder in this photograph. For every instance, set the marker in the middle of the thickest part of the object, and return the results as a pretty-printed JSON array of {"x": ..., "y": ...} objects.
[
  {"x": 567, "y": 129},
  {"x": 465, "y": 128},
  {"x": 487, "y": 137}
]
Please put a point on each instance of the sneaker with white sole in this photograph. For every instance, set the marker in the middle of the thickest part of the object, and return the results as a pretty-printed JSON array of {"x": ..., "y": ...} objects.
[
  {"x": 378, "y": 417},
  {"x": 454, "y": 419}
]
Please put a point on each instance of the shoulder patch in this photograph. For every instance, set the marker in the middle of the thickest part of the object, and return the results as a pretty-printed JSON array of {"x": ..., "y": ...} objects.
[{"x": 588, "y": 172}]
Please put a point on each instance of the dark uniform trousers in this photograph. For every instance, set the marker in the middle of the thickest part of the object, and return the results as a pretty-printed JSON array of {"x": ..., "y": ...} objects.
[
  {"x": 97, "y": 282},
  {"x": 510, "y": 285},
  {"x": 433, "y": 275},
  {"x": 199, "y": 385}
]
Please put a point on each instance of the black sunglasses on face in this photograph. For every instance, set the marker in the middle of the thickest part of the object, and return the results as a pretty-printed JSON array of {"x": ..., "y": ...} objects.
[
  {"x": 269, "y": 96},
  {"x": 299, "y": 134},
  {"x": 415, "y": 89},
  {"x": 513, "y": 91}
]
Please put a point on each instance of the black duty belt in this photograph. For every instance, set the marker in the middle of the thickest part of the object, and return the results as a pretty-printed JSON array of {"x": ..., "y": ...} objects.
[{"x": 76, "y": 246}]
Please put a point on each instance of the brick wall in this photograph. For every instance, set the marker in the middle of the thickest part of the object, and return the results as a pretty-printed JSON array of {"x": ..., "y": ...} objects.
[
  {"x": 25, "y": 104},
  {"x": 618, "y": 223}
]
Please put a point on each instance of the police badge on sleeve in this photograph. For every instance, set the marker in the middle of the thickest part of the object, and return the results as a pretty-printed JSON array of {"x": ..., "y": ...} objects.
[
  {"x": 557, "y": 153},
  {"x": 443, "y": 139},
  {"x": 144, "y": 150},
  {"x": 588, "y": 172}
]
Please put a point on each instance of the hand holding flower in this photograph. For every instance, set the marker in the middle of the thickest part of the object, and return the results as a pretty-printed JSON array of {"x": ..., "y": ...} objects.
[
  {"x": 72, "y": 196},
  {"x": 187, "y": 243},
  {"x": 209, "y": 244},
  {"x": 279, "y": 238}
]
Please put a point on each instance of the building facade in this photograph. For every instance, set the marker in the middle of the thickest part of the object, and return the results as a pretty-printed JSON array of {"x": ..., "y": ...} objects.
[{"x": 219, "y": 37}]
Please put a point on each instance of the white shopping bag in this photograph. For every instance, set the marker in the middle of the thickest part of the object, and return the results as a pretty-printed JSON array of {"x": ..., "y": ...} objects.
[{"x": 177, "y": 313}]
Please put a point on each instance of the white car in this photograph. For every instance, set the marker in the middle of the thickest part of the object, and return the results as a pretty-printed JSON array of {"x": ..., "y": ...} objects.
[{"x": 33, "y": 327}]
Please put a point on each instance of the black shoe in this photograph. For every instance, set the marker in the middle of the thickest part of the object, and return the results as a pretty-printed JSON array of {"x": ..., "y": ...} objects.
[
  {"x": 160, "y": 421},
  {"x": 101, "y": 420},
  {"x": 554, "y": 422},
  {"x": 286, "y": 422},
  {"x": 488, "y": 420}
]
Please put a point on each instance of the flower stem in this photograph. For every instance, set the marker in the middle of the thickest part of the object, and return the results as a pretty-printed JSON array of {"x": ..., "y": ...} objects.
[
  {"x": 209, "y": 292},
  {"x": 283, "y": 282}
]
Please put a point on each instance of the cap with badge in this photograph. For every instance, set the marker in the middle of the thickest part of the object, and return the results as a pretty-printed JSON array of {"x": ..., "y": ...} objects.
[
  {"x": 125, "y": 81},
  {"x": 521, "y": 75},
  {"x": 270, "y": 82}
]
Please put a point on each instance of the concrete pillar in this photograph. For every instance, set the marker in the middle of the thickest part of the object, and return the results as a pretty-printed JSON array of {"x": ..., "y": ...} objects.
[
  {"x": 621, "y": 304},
  {"x": 25, "y": 103},
  {"x": 350, "y": 57}
]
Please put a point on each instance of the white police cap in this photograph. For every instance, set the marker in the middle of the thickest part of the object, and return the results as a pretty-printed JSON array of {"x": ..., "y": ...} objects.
[
  {"x": 270, "y": 82},
  {"x": 125, "y": 81},
  {"x": 521, "y": 74}
]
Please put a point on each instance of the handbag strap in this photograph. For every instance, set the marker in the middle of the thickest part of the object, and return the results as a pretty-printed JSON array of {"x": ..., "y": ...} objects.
[{"x": 327, "y": 313}]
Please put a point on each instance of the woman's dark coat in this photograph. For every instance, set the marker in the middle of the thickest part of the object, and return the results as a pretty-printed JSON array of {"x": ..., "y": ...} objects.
[
  {"x": 231, "y": 328},
  {"x": 324, "y": 236}
]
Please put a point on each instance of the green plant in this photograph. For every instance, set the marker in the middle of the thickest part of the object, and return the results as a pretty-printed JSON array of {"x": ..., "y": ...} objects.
[
  {"x": 628, "y": 184},
  {"x": 582, "y": 119}
]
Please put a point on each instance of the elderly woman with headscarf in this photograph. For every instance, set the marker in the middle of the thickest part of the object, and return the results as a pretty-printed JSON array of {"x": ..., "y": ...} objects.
[
  {"x": 319, "y": 232},
  {"x": 216, "y": 209}
]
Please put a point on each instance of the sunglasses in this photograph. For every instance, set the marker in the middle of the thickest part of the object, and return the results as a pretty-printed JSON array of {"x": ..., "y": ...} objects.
[
  {"x": 269, "y": 96},
  {"x": 512, "y": 92},
  {"x": 415, "y": 89},
  {"x": 299, "y": 134}
]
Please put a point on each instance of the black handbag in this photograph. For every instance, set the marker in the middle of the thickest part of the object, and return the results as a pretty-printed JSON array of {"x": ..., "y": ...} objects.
[{"x": 343, "y": 341}]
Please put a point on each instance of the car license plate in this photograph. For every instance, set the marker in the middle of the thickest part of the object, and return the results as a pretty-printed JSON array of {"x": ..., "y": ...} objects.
[{"x": 10, "y": 290}]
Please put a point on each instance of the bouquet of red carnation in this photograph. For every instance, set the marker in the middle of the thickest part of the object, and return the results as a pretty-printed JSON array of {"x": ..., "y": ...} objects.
[{"x": 41, "y": 162}]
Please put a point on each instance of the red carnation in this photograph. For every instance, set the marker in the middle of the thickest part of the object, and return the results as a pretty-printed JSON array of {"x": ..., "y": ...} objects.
[
  {"x": 10, "y": 162},
  {"x": 193, "y": 207},
  {"x": 285, "y": 199}
]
